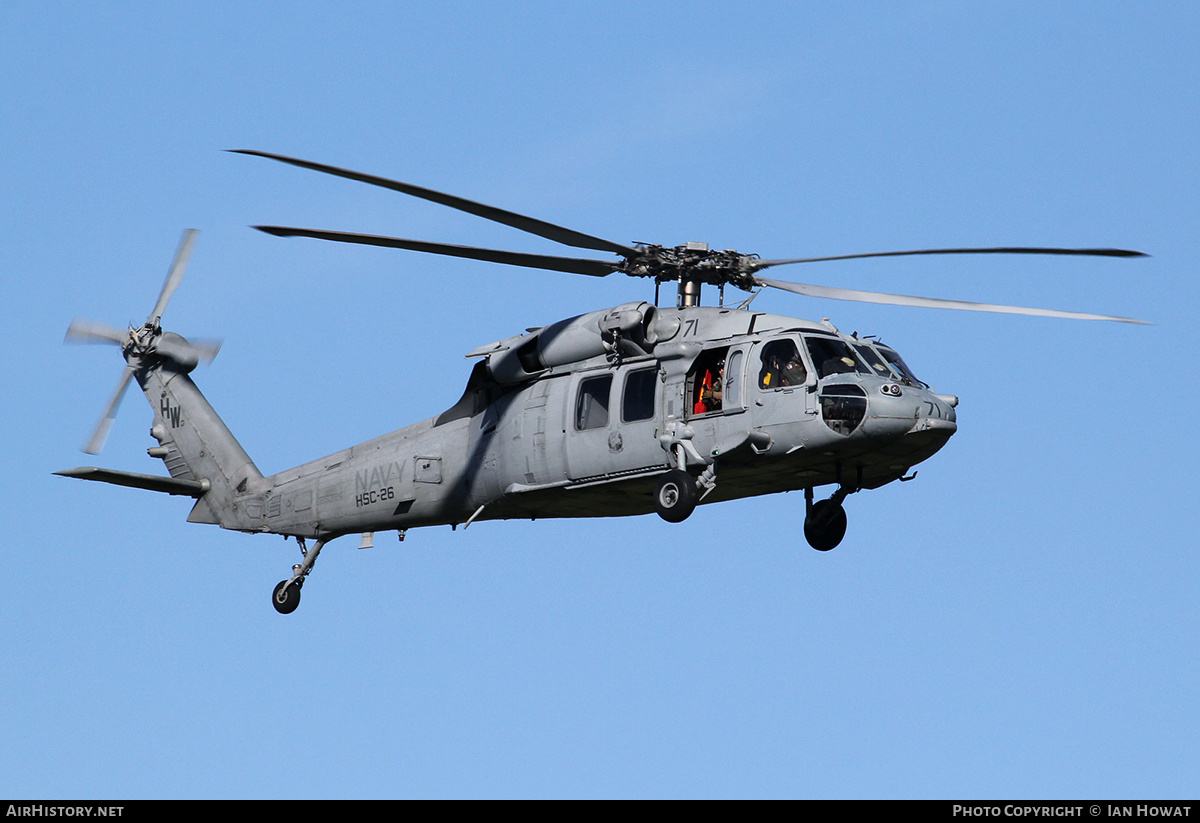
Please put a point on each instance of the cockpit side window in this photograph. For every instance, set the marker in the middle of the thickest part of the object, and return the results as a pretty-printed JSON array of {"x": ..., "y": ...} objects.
[
  {"x": 833, "y": 356},
  {"x": 591, "y": 406},
  {"x": 782, "y": 366}
]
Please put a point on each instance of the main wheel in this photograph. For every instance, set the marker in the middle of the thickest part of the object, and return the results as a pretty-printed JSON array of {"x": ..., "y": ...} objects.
[
  {"x": 286, "y": 597},
  {"x": 675, "y": 497},
  {"x": 825, "y": 525}
]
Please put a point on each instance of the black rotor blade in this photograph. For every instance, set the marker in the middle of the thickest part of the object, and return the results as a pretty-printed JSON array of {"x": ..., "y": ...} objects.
[
  {"x": 573, "y": 265},
  {"x": 559, "y": 234},
  {"x": 762, "y": 264}
]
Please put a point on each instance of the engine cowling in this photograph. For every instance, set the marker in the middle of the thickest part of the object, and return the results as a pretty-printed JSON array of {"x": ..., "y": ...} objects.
[{"x": 627, "y": 330}]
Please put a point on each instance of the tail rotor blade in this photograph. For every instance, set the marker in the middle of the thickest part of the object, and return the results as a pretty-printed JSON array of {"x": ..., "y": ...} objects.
[
  {"x": 207, "y": 349},
  {"x": 174, "y": 276},
  {"x": 110, "y": 413},
  {"x": 186, "y": 352},
  {"x": 88, "y": 331}
]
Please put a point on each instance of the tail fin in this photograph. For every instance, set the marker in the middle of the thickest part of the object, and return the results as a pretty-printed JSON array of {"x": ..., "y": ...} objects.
[
  {"x": 195, "y": 444},
  {"x": 200, "y": 452}
]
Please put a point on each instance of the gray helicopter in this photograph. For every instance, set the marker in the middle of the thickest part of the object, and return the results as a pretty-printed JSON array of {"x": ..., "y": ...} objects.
[{"x": 623, "y": 411}]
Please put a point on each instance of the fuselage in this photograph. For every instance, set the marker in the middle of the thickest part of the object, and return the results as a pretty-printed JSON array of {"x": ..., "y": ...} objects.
[{"x": 579, "y": 419}]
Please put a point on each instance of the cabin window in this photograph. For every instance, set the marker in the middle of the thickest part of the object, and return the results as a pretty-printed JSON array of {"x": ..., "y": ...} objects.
[
  {"x": 833, "y": 356},
  {"x": 781, "y": 366},
  {"x": 638, "y": 401},
  {"x": 591, "y": 407}
]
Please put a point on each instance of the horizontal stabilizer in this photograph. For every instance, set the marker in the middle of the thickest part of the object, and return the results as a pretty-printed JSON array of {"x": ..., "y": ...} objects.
[{"x": 150, "y": 482}]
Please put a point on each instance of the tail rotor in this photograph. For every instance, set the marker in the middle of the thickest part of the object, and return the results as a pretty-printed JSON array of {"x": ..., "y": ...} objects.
[{"x": 142, "y": 346}]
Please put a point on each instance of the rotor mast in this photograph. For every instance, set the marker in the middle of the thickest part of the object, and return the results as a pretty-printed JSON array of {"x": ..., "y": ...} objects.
[
  {"x": 689, "y": 286},
  {"x": 691, "y": 266}
]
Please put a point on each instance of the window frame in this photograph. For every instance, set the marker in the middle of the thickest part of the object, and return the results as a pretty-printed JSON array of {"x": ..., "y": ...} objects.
[
  {"x": 582, "y": 391},
  {"x": 630, "y": 376}
]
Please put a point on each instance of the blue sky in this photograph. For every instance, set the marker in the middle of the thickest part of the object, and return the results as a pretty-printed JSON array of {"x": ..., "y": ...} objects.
[{"x": 1020, "y": 621}]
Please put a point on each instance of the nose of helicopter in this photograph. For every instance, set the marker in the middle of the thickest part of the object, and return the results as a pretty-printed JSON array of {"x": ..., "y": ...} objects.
[{"x": 894, "y": 411}]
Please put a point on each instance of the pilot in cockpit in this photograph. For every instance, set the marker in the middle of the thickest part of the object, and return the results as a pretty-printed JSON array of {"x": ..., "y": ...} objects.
[{"x": 793, "y": 373}]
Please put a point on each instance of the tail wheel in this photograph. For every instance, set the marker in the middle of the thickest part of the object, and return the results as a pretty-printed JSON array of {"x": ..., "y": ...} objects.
[
  {"x": 675, "y": 498},
  {"x": 286, "y": 597},
  {"x": 825, "y": 525}
]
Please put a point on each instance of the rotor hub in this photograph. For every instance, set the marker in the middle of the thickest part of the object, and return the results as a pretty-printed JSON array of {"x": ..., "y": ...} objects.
[{"x": 691, "y": 262}]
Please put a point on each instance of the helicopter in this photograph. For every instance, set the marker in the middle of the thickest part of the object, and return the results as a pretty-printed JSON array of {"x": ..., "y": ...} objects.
[{"x": 622, "y": 411}]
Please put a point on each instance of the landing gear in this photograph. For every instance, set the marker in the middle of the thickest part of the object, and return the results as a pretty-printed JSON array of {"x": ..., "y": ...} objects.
[
  {"x": 825, "y": 521},
  {"x": 825, "y": 525},
  {"x": 287, "y": 596},
  {"x": 675, "y": 497}
]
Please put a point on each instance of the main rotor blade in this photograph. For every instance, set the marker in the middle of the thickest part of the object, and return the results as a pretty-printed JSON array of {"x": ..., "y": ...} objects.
[
  {"x": 174, "y": 276},
  {"x": 930, "y": 302},
  {"x": 762, "y": 264},
  {"x": 559, "y": 234},
  {"x": 574, "y": 265},
  {"x": 94, "y": 445},
  {"x": 88, "y": 331}
]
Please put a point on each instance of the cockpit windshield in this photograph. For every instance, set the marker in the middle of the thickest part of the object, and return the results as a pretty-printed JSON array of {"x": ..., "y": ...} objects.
[
  {"x": 899, "y": 366},
  {"x": 875, "y": 361},
  {"x": 833, "y": 356}
]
